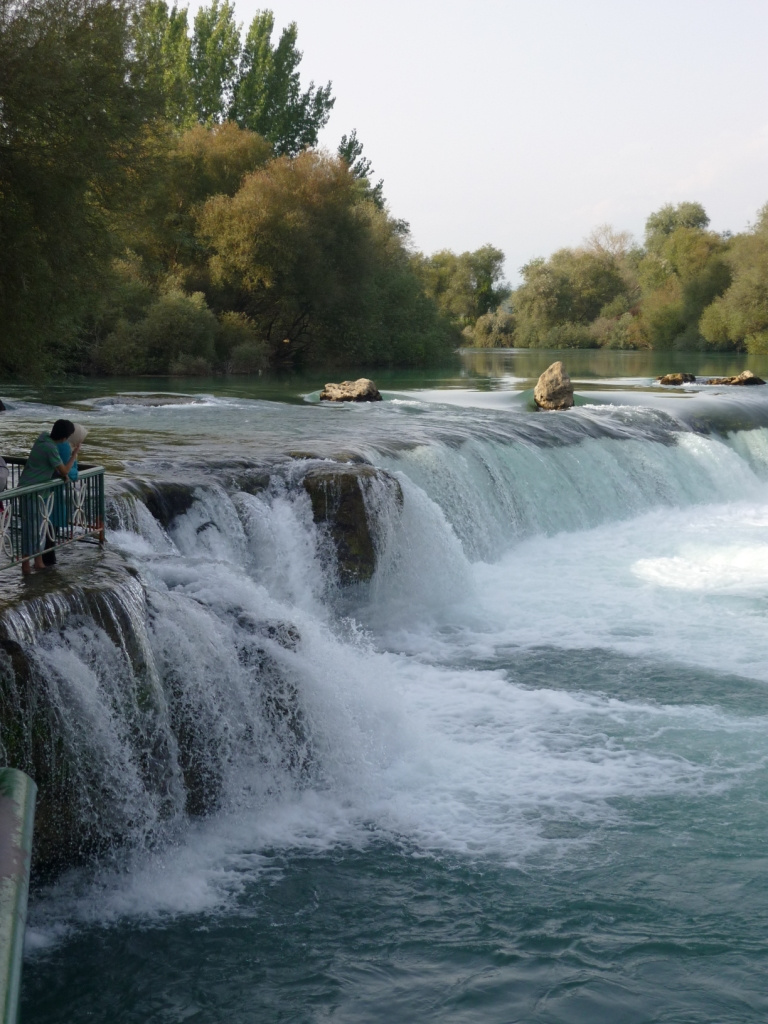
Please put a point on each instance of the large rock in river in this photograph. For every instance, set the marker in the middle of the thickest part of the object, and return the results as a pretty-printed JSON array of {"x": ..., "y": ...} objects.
[
  {"x": 746, "y": 377},
  {"x": 362, "y": 390},
  {"x": 677, "y": 379},
  {"x": 554, "y": 389}
]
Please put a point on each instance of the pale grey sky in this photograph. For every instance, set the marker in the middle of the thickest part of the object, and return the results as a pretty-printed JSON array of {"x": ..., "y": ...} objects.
[{"x": 526, "y": 123}]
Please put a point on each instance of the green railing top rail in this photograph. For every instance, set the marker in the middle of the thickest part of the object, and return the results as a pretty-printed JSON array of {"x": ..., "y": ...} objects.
[{"x": 83, "y": 474}]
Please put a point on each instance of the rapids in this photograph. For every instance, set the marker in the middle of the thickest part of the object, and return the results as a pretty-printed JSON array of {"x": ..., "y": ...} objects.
[{"x": 518, "y": 775}]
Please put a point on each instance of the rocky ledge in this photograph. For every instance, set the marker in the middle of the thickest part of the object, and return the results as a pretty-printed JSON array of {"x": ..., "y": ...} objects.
[
  {"x": 338, "y": 495},
  {"x": 746, "y": 377}
]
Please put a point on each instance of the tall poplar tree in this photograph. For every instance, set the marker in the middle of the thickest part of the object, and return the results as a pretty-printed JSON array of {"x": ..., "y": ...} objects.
[
  {"x": 267, "y": 94},
  {"x": 163, "y": 46},
  {"x": 215, "y": 57}
]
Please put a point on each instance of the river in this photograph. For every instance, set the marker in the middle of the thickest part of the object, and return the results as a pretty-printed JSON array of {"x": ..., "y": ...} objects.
[{"x": 533, "y": 785}]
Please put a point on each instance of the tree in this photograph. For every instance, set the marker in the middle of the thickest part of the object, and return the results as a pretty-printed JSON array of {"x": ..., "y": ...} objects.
[
  {"x": 682, "y": 272},
  {"x": 666, "y": 220},
  {"x": 560, "y": 297},
  {"x": 739, "y": 318},
  {"x": 162, "y": 44},
  {"x": 184, "y": 171},
  {"x": 319, "y": 270},
  {"x": 465, "y": 286},
  {"x": 350, "y": 150},
  {"x": 215, "y": 57},
  {"x": 267, "y": 96},
  {"x": 74, "y": 106}
]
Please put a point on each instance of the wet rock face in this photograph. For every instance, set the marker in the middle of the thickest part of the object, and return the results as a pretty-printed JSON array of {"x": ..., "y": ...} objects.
[
  {"x": 676, "y": 379},
  {"x": 338, "y": 504},
  {"x": 43, "y": 730},
  {"x": 165, "y": 499},
  {"x": 554, "y": 389},
  {"x": 362, "y": 390},
  {"x": 746, "y": 377}
]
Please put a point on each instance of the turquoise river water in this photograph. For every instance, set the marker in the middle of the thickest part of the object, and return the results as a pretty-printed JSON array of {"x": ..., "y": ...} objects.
[{"x": 539, "y": 736}]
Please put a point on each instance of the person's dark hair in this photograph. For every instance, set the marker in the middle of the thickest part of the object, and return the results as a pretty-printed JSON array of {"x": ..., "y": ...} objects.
[{"x": 61, "y": 430}]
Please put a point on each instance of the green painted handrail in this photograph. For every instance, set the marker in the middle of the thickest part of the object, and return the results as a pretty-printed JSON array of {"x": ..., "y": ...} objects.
[{"x": 17, "y": 815}]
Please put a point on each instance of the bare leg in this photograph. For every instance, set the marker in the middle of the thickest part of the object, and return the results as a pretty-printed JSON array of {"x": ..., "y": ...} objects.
[{"x": 26, "y": 568}]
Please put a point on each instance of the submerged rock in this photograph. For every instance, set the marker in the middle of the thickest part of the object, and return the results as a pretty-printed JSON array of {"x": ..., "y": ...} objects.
[
  {"x": 554, "y": 389},
  {"x": 338, "y": 504},
  {"x": 150, "y": 401},
  {"x": 336, "y": 456},
  {"x": 362, "y": 390},
  {"x": 677, "y": 379},
  {"x": 746, "y": 377}
]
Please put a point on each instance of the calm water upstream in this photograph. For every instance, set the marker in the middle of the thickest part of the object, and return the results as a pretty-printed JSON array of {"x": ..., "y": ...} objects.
[{"x": 539, "y": 735}]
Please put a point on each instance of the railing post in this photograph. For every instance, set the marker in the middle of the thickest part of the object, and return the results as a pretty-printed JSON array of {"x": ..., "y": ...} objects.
[
  {"x": 102, "y": 509},
  {"x": 17, "y": 814}
]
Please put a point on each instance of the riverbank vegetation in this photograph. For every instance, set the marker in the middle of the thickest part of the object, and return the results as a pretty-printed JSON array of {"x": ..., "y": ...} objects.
[
  {"x": 685, "y": 288},
  {"x": 163, "y": 208}
]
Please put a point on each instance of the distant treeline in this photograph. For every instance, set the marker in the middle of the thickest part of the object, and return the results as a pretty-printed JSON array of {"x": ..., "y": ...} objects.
[{"x": 686, "y": 288}]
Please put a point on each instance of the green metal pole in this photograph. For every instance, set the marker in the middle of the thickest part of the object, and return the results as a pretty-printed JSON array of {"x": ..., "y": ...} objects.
[{"x": 17, "y": 815}]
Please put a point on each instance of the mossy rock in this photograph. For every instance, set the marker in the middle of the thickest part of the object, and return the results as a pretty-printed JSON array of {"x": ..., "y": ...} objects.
[{"x": 338, "y": 505}]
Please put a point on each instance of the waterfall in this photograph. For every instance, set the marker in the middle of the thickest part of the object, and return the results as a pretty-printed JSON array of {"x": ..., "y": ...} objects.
[{"x": 219, "y": 656}]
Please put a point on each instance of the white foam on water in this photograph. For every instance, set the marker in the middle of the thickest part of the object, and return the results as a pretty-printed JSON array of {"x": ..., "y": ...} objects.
[{"x": 689, "y": 585}]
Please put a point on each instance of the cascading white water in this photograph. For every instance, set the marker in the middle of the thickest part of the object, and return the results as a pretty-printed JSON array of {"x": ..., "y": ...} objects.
[{"x": 195, "y": 700}]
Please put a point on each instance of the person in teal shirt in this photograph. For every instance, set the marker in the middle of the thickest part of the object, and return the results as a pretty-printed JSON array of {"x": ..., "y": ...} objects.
[
  {"x": 44, "y": 463},
  {"x": 60, "y": 503}
]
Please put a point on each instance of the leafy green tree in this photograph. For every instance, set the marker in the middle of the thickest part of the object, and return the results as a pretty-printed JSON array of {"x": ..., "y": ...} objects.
[
  {"x": 267, "y": 95},
  {"x": 350, "y": 150},
  {"x": 176, "y": 335},
  {"x": 684, "y": 269},
  {"x": 467, "y": 285},
  {"x": 669, "y": 218},
  {"x": 215, "y": 59},
  {"x": 492, "y": 330},
  {"x": 560, "y": 297},
  {"x": 319, "y": 270},
  {"x": 239, "y": 346},
  {"x": 161, "y": 41},
  {"x": 74, "y": 105},
  {"x": 739, "y": 318},
  {"x": 184, "y": 171}
]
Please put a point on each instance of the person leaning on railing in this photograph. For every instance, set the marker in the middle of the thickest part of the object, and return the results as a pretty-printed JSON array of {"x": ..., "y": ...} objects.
[{"x": 43, "y": 464}]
